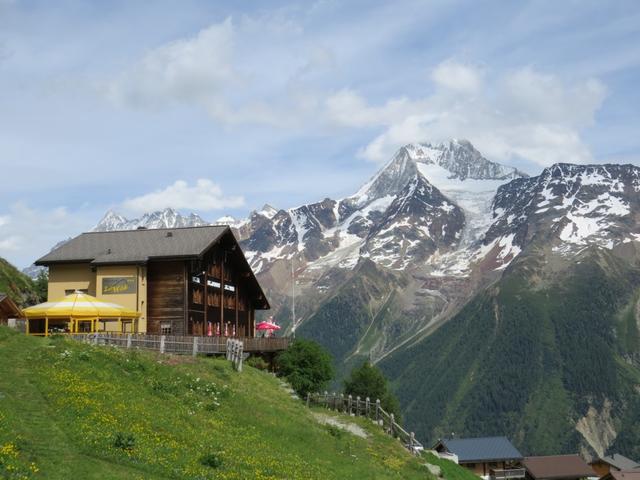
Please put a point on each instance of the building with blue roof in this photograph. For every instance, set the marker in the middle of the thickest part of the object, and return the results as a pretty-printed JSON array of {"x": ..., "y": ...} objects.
[{"x": 493, "y": 458}]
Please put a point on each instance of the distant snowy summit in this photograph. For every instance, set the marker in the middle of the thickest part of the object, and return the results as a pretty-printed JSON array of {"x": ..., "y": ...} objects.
[
  {"x": 170, "y": 218},
  {"x": 167, "y": 218}
]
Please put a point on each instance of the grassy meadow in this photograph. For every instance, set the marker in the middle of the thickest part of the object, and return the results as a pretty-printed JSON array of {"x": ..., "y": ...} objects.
[{"x": 70, "y": 410}]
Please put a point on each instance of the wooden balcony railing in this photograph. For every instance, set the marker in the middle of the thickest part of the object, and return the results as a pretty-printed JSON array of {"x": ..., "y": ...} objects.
[
  {"x": 185, "y": 345},
  {"x": 507, "y": 473}
]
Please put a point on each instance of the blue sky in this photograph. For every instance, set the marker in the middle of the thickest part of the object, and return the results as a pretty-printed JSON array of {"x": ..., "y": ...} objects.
[{"x": 219, "y": 107}]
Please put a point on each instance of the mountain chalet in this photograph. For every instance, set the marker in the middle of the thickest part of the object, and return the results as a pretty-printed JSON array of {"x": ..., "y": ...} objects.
[{"x": 182, "y": 281}]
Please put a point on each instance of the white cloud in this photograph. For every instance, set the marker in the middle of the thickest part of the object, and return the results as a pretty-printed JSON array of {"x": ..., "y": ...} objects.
[
  {"x": 10, "y": 244},
  {"x": 31, "y": 232},
  {"x": 348, "y": 108},
  {"x": 191, "y": 70},
  {"x": 4, "y": 219},
  {"x": 523, "y": 114},
  {"x": 204, "y": 196},
  {"x": 457, "y": 76}
]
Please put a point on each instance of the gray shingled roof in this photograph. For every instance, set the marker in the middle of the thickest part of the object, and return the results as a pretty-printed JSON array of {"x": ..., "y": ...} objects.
[
  {"x": 134, "y": 246},
  {"x": 620, "y": 462},
  {"x": 482, "y": 449}
]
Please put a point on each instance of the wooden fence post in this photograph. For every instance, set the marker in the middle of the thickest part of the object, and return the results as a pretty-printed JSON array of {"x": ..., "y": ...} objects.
[
  {"x": 342, "y": 402},
  {"x": 393, "y": 421},
  {"x": 358, "y": 406},
  {"x": 162, "y": 340},
  {"x": 349, "y": 404},
  {"x": 240, "y": 354},
  {"x": 367, "y": 407},
  {"x": 378, "y": 410},
  {"x": 195, "y": 346},
  {"x": 412, "y": 439}
]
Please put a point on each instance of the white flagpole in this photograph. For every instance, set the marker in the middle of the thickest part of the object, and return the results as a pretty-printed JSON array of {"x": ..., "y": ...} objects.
[{"x": 293, "y": 301}]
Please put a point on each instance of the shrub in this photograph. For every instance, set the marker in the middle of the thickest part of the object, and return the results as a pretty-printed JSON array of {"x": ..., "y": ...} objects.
[
  {"x": 306, "y": 365},
  {"x": 211, "y": 460},
  {"x": 124, "y": 441},
  {"x": 335, "y": 431},
  {"x": 257, "y": 362},
  {"x": 368, "y": 381}
]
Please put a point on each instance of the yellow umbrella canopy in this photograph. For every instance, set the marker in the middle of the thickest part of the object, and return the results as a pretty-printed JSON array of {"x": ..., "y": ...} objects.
[{"x": 79, "y": 305}]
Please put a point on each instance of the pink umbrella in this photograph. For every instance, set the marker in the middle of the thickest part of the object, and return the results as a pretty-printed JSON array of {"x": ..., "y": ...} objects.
[{"x": 267, "y": 326}]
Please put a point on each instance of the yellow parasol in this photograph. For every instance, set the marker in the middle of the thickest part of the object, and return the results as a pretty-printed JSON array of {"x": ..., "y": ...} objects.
[{"x": 79, "y": 306}]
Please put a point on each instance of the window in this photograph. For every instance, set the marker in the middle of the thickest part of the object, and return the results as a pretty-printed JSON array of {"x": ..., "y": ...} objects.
[{"x": 165, "y": 329}]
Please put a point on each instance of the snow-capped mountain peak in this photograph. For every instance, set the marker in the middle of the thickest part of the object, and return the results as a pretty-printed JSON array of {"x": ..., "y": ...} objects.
[
  {"x": 110, "y": 221},
  {"x": 461, "y": 159},
  {"x": 167, "y": 218},
  {"x": 452, "y": 165},
  {"x": 267, "y": 211}
]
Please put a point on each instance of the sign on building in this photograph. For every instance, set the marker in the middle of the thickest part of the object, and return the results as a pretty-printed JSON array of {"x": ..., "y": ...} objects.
[{"x": 119, "y": 285}]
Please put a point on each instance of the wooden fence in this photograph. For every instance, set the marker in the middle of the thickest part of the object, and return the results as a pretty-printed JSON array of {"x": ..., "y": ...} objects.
[
  {"x": 366, "y": 408},
  {"x": 235, "y": 353},
  {"x": 184, "y": 345}
]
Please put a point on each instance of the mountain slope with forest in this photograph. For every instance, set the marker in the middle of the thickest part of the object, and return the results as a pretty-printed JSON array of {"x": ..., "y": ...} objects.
[{"x": 549, "y": 355}]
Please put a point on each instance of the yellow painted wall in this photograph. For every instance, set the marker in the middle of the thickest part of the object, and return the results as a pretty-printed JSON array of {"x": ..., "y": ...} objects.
[
  {"x": 135, "y": 301},
  {"x": 81, "y": 277},
  {"x": 70, "y": 277}
]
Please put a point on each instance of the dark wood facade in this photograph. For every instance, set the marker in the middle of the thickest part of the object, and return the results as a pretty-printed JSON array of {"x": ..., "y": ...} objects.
[
  {"x": 8, "y": 309},
  {"x": 165, "y": 297},
  {"x": 215, "y": 294}
]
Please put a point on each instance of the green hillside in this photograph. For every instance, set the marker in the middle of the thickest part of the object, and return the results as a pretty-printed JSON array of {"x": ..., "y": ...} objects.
[
  {"x": 17, "y": 285},
  {"x": 70, "y": 410},
  {"x": 545, "y": 347},
  {"x": 362, "y": 314}
]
